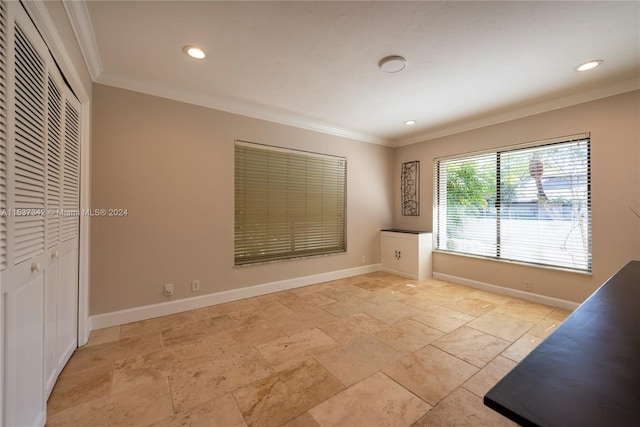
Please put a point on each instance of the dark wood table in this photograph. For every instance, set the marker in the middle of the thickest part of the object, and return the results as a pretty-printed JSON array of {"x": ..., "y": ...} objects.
[{"x": 587, "y": 372}]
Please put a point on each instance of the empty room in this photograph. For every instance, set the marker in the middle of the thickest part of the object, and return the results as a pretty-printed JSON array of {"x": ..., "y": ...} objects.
[{"x": 319, "y": 213}]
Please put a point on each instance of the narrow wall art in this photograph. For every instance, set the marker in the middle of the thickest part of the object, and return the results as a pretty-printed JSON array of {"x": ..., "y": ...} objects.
[{"x": 410, "y": 188}]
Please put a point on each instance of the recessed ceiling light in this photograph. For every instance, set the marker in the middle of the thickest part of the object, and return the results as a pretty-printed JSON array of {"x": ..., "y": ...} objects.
[
  {"x": 194, "y": 52},
  {"x": 589, "y": 65},
  {"x": 410, "y": 122},
  {"x": 392, "y": 64}
]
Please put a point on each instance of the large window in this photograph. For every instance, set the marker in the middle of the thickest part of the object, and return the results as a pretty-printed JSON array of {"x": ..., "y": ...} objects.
[
  {"x": 530, "y": 203},
  {"x": 288, "y": 203}
]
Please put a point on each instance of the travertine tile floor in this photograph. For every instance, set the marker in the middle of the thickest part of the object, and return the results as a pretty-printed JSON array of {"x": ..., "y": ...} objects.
[{"x": 371, "y": 350}]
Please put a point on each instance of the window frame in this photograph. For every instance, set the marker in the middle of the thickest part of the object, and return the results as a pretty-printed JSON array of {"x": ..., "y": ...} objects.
[{"x": 498, "y": 152}]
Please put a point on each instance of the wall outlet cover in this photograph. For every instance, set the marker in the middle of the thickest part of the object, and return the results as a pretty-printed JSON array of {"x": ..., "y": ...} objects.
[{"x": 168, "y": 290}]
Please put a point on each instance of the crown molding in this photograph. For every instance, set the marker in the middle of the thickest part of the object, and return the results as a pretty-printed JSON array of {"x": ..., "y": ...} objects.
[
  {"x": 234, "y": 106},
  {"x": 83, "y": 29},
  {"x": 556, "y": 104}
]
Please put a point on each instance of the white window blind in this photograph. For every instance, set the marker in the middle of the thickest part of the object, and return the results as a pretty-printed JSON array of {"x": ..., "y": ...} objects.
[
  {"x": 288, "y": 203},
  {"x": 527, "y": 203}
]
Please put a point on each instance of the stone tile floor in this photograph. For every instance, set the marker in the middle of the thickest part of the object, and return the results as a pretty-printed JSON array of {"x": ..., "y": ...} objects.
[{"x": 371, "y": 350}]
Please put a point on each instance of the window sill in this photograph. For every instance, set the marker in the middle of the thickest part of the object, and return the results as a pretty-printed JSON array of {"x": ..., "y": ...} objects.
[{"x": 519, "y": 263}]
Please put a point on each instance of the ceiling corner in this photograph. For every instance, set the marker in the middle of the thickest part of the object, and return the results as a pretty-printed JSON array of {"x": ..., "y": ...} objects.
[{"x": 83, "y": 29}]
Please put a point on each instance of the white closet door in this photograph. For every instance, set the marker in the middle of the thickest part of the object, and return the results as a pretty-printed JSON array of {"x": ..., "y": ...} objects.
[
  {"x": 23, "y": 281},
  {"x": 3, "y": 181},
  {"x": 54, "y": 147},
  {"x": 3, "y": 138},
  {"x": 40, "y": 135},
  {"x": 67, "y": 250},
  {"x": 52, "y": 227}
]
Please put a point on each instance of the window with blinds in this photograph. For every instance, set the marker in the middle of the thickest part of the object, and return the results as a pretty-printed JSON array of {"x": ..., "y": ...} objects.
[
  {"x": 288, "y": 204},
  {"x": 530, "y": 203}
]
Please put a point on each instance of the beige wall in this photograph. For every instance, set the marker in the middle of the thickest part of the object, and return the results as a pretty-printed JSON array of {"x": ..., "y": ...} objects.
[
  {"x": 171, "y": 165},
  {"x": 614, "y": 124}
]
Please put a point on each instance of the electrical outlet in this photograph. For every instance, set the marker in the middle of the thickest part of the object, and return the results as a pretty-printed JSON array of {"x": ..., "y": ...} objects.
[
  {"x": 168, "y": 289},
  {"x": 528, "y": 286},
  {"x": 195, "y": 285},
  {"x": 364, "y": 259}
]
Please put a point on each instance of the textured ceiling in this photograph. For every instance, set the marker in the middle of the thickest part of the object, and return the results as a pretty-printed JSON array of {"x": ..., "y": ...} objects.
[{"x": 314, "y": 64}]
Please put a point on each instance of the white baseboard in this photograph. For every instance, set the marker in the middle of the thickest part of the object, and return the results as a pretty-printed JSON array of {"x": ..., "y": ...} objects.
[
  {"x": 121, "y": 317},
  {"x": 398, "y": 273},
  {"x": 541, "y": 299}
]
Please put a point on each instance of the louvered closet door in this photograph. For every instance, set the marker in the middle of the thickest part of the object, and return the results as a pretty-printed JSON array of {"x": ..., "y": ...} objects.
[
  {"x": 3, "y": 140},
  {"x": 23, "y": 281},
  {"x": 3, "y": 185},
  {"x": 61, "y": 240},
  {"x": 67, "y": 253},
  {"x": 40, "y": 194},
  {"x": 54, "y": 146}
]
